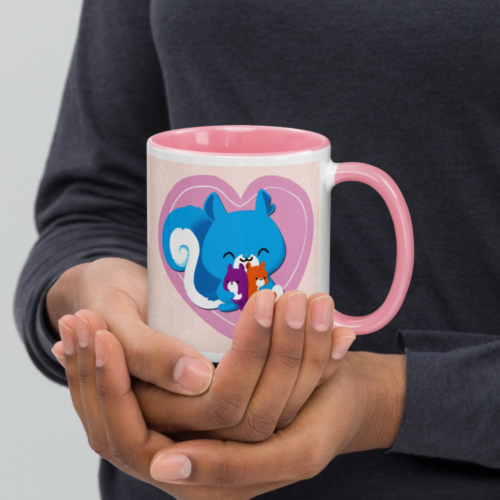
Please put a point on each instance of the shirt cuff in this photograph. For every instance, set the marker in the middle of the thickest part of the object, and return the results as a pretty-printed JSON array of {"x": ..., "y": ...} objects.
[{"x": 452, "y": 407}]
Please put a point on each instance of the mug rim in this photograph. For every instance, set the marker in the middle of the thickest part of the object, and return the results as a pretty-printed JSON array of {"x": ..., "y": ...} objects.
[{"x": 213, "y": 139}]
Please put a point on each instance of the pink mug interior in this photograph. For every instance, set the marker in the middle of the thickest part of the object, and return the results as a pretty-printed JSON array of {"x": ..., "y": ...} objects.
[{"x": 239, "y": 140}]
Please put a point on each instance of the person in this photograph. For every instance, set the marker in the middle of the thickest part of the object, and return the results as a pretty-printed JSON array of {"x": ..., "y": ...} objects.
[{"x": 411, "y": 411}]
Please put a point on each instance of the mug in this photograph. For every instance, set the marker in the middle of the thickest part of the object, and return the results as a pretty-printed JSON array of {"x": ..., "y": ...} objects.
[{"x": 237, "y": 209}]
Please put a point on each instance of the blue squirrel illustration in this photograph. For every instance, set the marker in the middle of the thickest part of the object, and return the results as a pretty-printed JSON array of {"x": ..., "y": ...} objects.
[{"x": 203, "y": 242}]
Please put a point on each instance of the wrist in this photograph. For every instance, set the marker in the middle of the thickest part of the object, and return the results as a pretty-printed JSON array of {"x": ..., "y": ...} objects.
[
  {"x": 61, "y": 298},
  {"x": 382, "y": 379}
]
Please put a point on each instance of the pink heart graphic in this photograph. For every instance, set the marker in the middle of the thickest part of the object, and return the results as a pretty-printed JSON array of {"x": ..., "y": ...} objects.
[{"x": 293, "y": 216}]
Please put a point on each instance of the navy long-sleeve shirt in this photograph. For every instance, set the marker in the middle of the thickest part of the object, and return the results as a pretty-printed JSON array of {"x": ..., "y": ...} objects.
[{"x": 411, "y": 87}]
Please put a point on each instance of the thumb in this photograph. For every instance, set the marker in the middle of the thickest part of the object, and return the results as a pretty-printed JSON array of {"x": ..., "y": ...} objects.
[{"x": 161, "y": 359}]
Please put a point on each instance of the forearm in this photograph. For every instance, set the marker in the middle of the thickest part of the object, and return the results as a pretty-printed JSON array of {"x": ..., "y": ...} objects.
[{"x": 378, "y": 382}]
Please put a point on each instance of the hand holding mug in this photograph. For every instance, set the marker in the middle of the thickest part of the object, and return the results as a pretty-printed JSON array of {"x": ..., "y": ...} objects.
[
  {"x": 116, "y": 291},
  {"x": 280, "y": 353},
  {"x": 357, "y": 409}
]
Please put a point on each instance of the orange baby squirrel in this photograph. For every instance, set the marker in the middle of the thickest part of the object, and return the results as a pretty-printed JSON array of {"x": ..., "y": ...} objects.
[{"x": 257, "y": 278}]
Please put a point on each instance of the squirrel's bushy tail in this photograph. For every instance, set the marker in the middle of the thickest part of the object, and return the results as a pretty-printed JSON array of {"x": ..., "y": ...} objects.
[{"x": 183, "y": 235}]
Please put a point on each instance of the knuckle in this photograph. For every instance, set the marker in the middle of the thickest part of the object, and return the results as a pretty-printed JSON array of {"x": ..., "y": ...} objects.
[
  {"x": 286, "y": 419},
  {"x": 123, "y": 454},
  {"x": 99, "y": 445},
  {"x": 259, "y": 426},
  {"x": 318, "y": 361},
  {"x": 104, "y": 393},
  {"x": 85, "y": 375},
  {"x": 289, "y": 358},
  {"x": 228, "y": 472},
  {"x": 225, "y": 411},
  {"x": 72, "y": 378},
  {"x": 139, "y": 359},
  {"x": 134, "y": 350},
  {"x": 314, "y": 462},
  {"x": 144, "y": 392},
  {"x": 253, "y": 354}
]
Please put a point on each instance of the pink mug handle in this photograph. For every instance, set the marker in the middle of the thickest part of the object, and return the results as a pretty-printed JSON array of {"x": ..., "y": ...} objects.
[{"x": 387, "y": 188}]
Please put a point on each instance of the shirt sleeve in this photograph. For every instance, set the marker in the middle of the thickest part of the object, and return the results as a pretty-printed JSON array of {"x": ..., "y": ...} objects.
[
  {"x": 452, "y": 404},
  {"x": 92, "y": 198}
]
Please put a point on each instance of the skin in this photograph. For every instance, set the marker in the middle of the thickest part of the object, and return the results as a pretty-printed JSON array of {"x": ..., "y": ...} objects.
[
  {"x": 260, "y": 384},
  {"x": 358, "y": 408},
  {"x": 277, "y": 409}
]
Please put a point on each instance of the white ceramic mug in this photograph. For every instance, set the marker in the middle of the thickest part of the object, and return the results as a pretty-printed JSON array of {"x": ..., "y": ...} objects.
[{"x": 235, "y": 209}]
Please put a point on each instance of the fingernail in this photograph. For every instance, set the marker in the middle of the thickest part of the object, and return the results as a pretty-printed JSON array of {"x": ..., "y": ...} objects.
[
  {"x": 193, "y": 374},
  {"x": 320, "y": 313},
  {"x": 264, "y": 308},
  {"x": 341, "y": 347},
  {"x": 67, "y": 338},
  {"x": 82, "y": 331},
  {"x": 58, "y": 353},
  {"x": 101, "y": 351},
  {"x": 295, "y": 310},
  {"x": 171, "y": 467}
]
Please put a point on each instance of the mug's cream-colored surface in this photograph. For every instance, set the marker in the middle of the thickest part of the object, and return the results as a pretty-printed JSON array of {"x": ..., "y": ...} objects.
[{"x": 167, "y": 310}]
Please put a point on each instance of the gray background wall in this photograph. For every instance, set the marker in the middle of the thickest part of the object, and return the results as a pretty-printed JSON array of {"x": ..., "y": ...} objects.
[{"x": 43, "y": 448}]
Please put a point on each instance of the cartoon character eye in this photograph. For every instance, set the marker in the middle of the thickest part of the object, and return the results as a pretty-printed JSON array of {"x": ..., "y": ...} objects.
[
  {"x": 228, "y": 253},
  {"x": 227, "y": 281},
  {"x": 237, "y": 281},
  {"x": 262, "y": 250}
]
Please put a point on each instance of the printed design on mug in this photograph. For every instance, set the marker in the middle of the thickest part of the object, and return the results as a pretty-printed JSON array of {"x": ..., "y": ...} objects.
[
  {"x": 219, "y": 249},
  {"x": 214, "y": 248},
  {"x": 257, "y": 278}
]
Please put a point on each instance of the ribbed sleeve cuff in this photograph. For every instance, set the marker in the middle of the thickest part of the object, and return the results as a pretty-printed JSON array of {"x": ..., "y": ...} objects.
[
  {"x": 452, "y": 405},
  {"x": 57, "y": 250}
]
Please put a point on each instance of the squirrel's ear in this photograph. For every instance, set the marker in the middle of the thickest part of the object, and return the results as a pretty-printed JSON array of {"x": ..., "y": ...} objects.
[
  {"x": 213, "y": 206},
  {"x": 262, "y": 264},
  {"x": 241, "y": 267},
  {"x": 229, "y": 267},
  {"x": 263, "y": 203},
  {"x": 248, "y": 265}
]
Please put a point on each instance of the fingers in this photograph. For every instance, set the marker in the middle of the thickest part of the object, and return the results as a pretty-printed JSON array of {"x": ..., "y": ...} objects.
[
  {"x": 233, "y": 384},
  {"x": 316, "y": 355},
  {"x": 331, "y": 418},
  {"x": 161, "y": 359},
  {"x": 227, "y": 464},
  {"x": 67, "y": 332},
  {"x": 130, "y": 443},
  {"x": 116, "y": 289},
  {"x": 100, "y": 388},
  {"x": 87, "y": 323},
  {"x": 280, "y": 372},
  {"x": 243, "y": 366},
  {"x": 342, "y": 339},
  {"x": 247, "y": 400}
]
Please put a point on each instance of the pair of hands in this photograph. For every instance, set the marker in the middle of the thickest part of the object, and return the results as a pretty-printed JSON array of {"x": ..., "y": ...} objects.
[{"x": 280, "y": 356}]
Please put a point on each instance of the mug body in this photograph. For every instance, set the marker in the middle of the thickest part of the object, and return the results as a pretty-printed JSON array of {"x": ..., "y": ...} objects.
[{"x": 232, "y": 210}]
